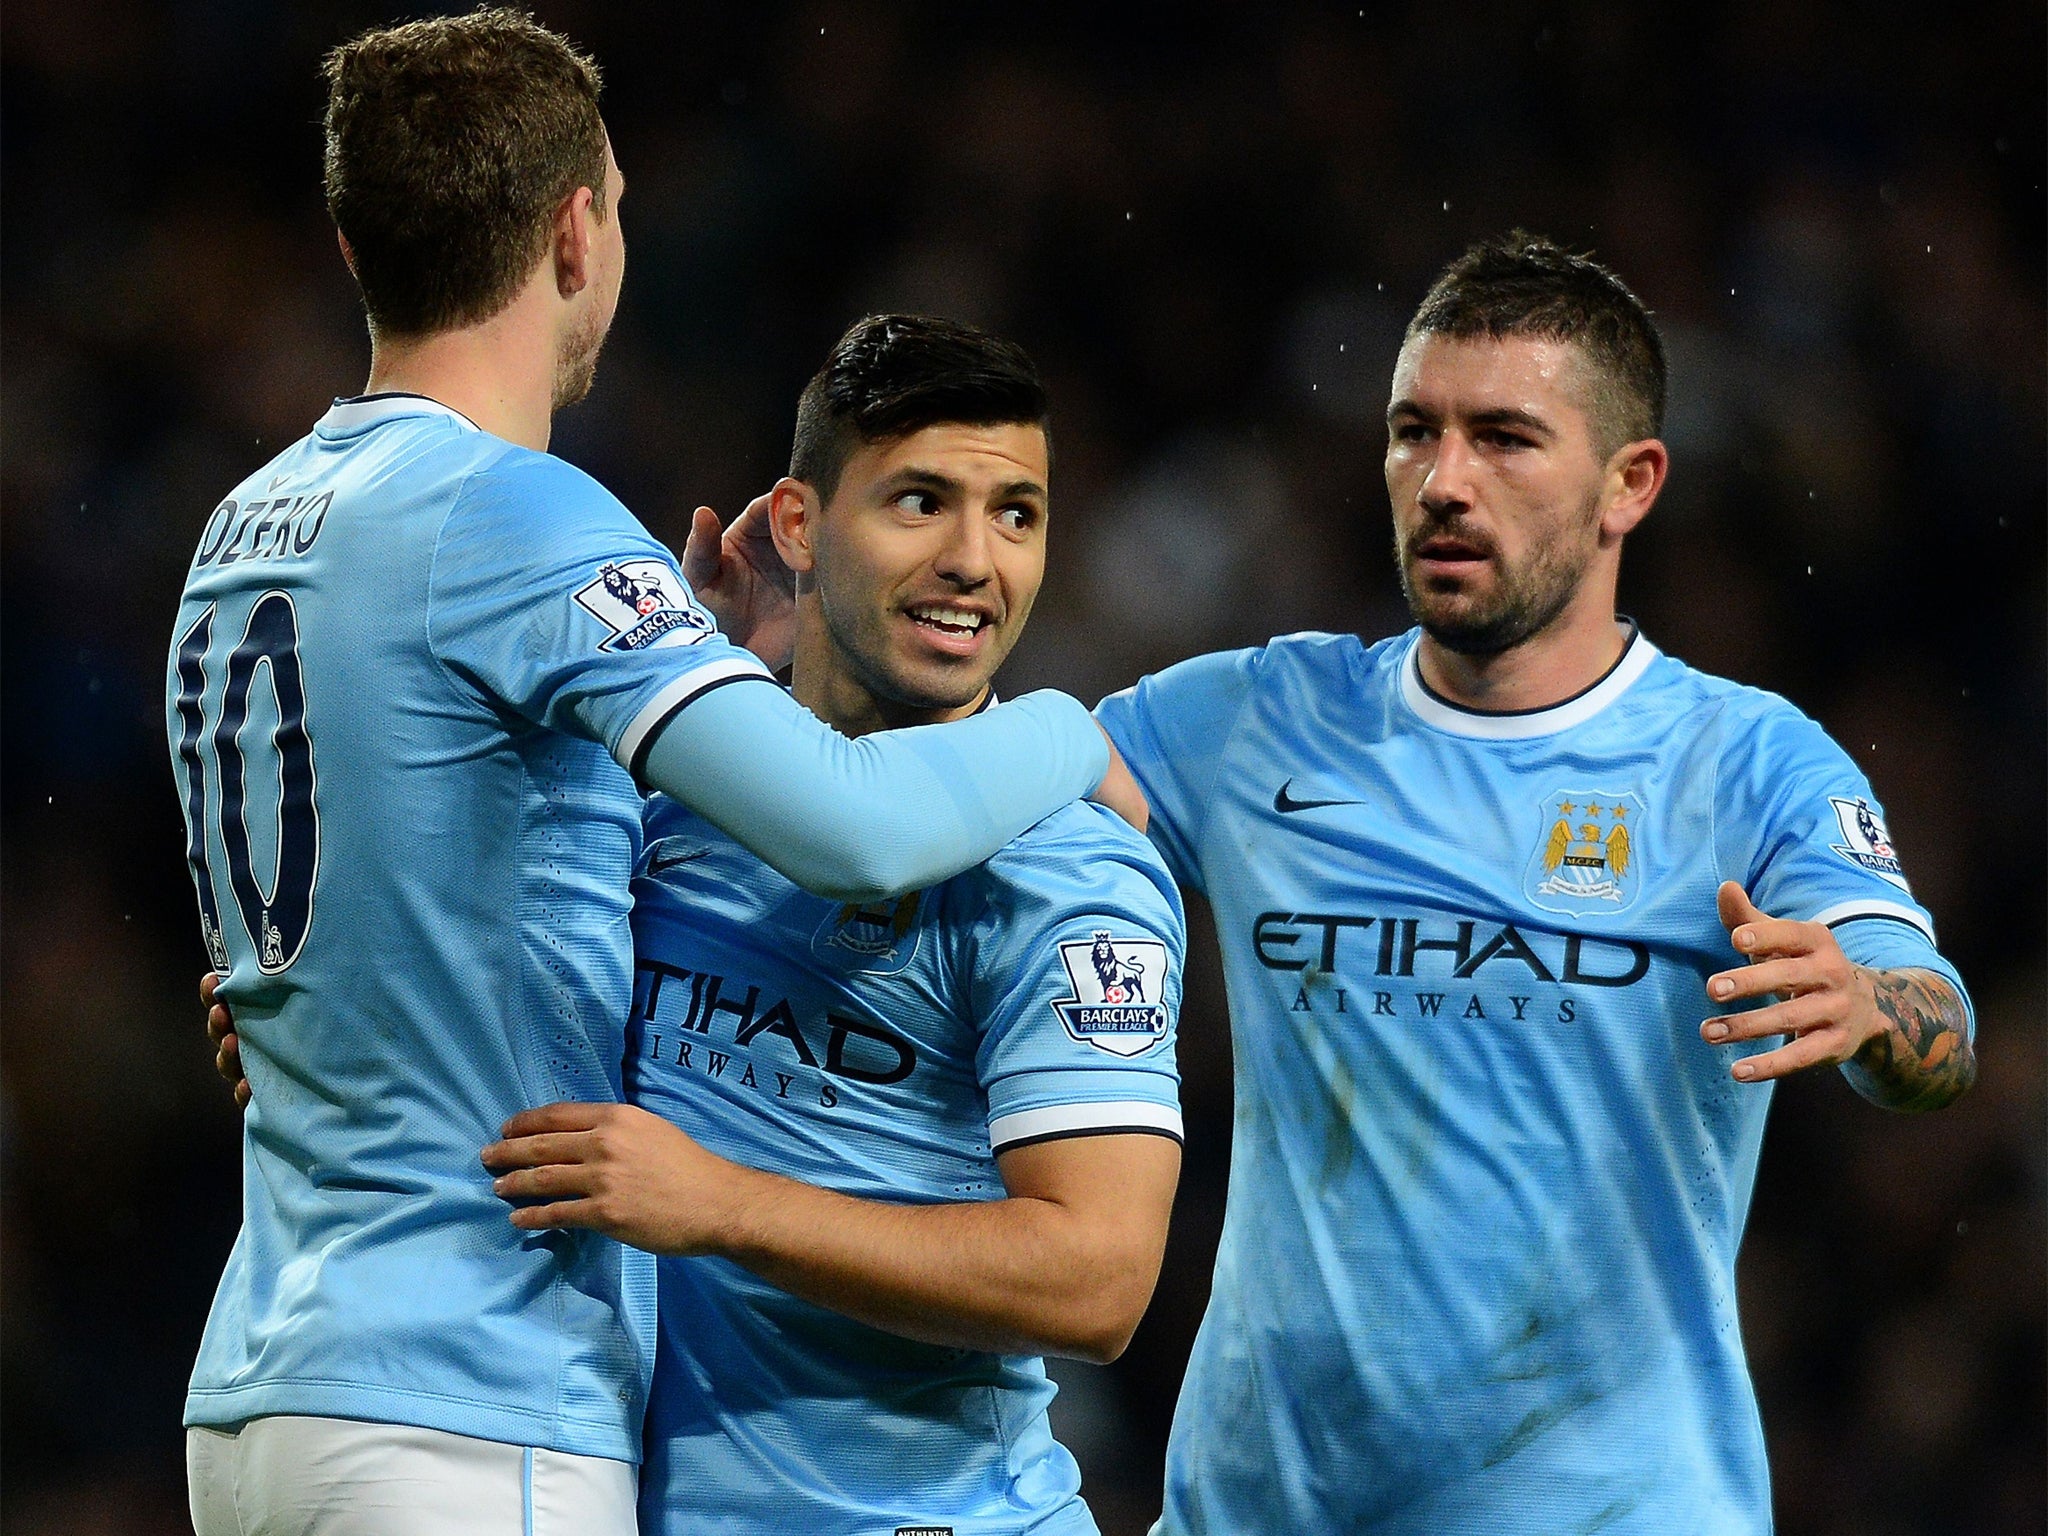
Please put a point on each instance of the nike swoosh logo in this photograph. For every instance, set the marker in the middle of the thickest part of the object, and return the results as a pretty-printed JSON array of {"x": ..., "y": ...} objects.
[
  {"x": 1284, "y": 802},
  {"x": 657, "y": 865}
]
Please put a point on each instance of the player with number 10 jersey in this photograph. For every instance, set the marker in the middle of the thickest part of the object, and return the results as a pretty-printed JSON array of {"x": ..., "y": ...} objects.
[{"x": 418, "y": 665}]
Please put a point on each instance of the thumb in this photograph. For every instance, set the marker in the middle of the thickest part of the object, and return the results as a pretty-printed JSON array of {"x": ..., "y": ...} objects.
[
  {"x": 1735, "y": 907},
  {"x": 702, "y": 554}
]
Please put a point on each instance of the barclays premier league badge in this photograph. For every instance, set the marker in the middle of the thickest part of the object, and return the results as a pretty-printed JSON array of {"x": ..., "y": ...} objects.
[
  {"x": 643, "y": 603},
  {"x": 1118, "y": 988},
  {"x": 1865, "y": 840},
  {"x": 1588, "y": 856}
]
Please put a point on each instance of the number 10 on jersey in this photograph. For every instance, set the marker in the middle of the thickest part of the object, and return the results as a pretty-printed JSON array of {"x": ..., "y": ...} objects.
[{"x": 275, "y": 918}]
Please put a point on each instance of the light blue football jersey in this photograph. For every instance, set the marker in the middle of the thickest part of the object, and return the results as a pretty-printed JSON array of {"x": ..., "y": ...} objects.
[
  {"x": 409, "y": 661},
  {"x": 1477, "y": 1273},
  {"x": 887, "y": 1053}
]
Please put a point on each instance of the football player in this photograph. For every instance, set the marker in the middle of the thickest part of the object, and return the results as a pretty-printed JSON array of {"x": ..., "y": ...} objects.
[
  {"x": 417, "y": 667},
  {"x": 1475, "y": 887},
  {"x": 893, "y": 1152}
]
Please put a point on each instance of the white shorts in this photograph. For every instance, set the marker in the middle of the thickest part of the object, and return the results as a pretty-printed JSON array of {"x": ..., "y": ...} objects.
[{"x": 290, "y": 1476}]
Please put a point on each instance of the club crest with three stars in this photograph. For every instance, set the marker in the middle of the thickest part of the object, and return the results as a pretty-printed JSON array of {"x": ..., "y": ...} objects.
[{"x": 1589, "y": 852}]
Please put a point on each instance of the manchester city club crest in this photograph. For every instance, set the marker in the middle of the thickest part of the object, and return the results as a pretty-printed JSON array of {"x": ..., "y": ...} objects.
[
  {"x": 877, "y": 940},
  {"x": 643, "y": 603},
  {"x": 1589, "y": 856},
  {"x": 1118, "y": 988},
  {"x": 1865, "y": 840}
]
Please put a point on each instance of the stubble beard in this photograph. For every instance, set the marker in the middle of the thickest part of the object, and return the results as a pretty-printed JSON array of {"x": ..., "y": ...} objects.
[
  {"x": 576, "y": 363},
  {"x": 1524, "y": 601},
  {"x": 927, "y": 690}
]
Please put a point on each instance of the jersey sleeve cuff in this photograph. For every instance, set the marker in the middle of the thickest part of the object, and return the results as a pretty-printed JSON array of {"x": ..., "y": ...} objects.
[
  {"x": 1115, "y": 1118},
  {"x": 671, "y": 698},
  {"x": 1898, "y": 912}
]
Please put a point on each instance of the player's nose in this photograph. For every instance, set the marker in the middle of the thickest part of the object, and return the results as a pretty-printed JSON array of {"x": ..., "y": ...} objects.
[
  {"x": 1448, "y": 484},
  {"x": 967, "y": 556}
]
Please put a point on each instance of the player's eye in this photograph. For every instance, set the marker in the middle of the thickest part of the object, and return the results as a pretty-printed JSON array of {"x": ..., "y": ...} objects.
[
  {"x": 1410, "y": 432},
  {"x": 1017, "y": 517},
  {"x": 1501, "y": 438},
  {"x": 923, "y": 503}
]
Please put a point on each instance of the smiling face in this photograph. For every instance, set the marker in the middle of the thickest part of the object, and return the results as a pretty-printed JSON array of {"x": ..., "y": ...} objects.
[
  {"x": 1498, "y": 490},
  {"x": 915, "y": 580}
]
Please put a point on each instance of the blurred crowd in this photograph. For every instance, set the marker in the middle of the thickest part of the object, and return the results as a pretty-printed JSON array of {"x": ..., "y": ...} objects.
[{"x": 1209, "y": 224}]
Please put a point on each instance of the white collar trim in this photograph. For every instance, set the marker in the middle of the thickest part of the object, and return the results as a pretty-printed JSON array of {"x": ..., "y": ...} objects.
[
  {"x": 1520, "y": 725},
  {"x": 368, "y": 410}
]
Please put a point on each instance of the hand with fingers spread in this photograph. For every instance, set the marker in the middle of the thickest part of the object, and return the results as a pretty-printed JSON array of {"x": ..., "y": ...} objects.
[
  {"x": 227, "y": 1045},
  {"x": 737, "y": 574},
  {"x": 611, "y": 1168},
  {"x": 1902, "y": 1036}
]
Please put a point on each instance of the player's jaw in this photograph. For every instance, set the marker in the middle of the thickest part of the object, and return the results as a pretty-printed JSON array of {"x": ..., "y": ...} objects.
[
  {"x": 576, "y": 358},
  {"x": 921, "y": 652},
  {"x": 1474, "y": 597}
]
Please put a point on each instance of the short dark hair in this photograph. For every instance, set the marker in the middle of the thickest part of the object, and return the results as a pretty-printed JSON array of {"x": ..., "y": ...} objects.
[
  {"x": 1524, "y": 285},
  {"x": 450, "y": 144},
  {"x": 892, "y": 375}
]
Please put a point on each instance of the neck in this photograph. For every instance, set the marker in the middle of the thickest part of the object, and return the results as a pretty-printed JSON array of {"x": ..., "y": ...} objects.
[
  {"x": 499, "y": 373},
  {"x": 1545, "y": 669}
]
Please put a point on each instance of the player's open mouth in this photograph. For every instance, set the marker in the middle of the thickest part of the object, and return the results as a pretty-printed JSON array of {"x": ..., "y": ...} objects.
[
  {"x": 949, "y": 621},
  {"x": 1449, "y": 555},
  {"x": 953, "y": 628}
]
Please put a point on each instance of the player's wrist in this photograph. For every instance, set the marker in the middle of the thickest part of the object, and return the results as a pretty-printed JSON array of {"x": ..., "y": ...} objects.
[{"x": 732, "y": 1215}]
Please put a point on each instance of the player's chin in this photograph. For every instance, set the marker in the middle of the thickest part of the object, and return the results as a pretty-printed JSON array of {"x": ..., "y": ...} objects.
[
  {"x": 941, "y": 682},
  {"x": 1449, "y": 604}
]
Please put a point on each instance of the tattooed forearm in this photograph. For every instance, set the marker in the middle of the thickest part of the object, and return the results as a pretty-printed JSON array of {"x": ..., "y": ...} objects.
[{"x": 1923, "y": 1058}]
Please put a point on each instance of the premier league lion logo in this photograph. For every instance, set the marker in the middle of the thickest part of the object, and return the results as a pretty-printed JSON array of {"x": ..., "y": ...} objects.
[
  {"x": 1123, "y": 981},
  {"x": 632, "y": 598},
  {"x": 643, "y": 597},
  {"x": 1108, "y": 1007},
  {"x": 1865, "y": 840}
]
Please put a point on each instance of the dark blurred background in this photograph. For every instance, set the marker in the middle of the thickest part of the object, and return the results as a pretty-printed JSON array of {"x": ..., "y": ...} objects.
[{"x": 1209, "y": 223}]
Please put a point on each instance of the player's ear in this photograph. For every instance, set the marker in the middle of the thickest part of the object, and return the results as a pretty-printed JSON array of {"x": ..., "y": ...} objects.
[
  {"x": 348, "y": 252},
  {"x": 1635, "y": 477},
  {"x": 574, "y": 222},
  {"x": 793, "y": 510}
]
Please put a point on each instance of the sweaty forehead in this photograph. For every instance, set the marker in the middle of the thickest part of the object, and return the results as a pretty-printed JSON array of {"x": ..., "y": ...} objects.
[{"x": 1455, "y": 376}]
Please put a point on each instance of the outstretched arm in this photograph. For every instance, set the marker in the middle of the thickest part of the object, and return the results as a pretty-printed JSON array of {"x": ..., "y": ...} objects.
[
  {"x": 868, "y": 819},
  {"x": 1902, "y": 1037},
  {"x": 1064, "y": 1265}
]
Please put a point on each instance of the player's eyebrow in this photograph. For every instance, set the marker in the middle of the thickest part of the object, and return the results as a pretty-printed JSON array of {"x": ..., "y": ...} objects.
[
  {"x": 1509, "y": 416},
  {"x": 1493, "y": 416},
  {"x": 915, "y": 477}
]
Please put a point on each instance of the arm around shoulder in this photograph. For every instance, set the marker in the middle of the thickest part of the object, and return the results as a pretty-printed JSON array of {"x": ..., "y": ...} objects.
[{"x": 891, "y": 812}]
